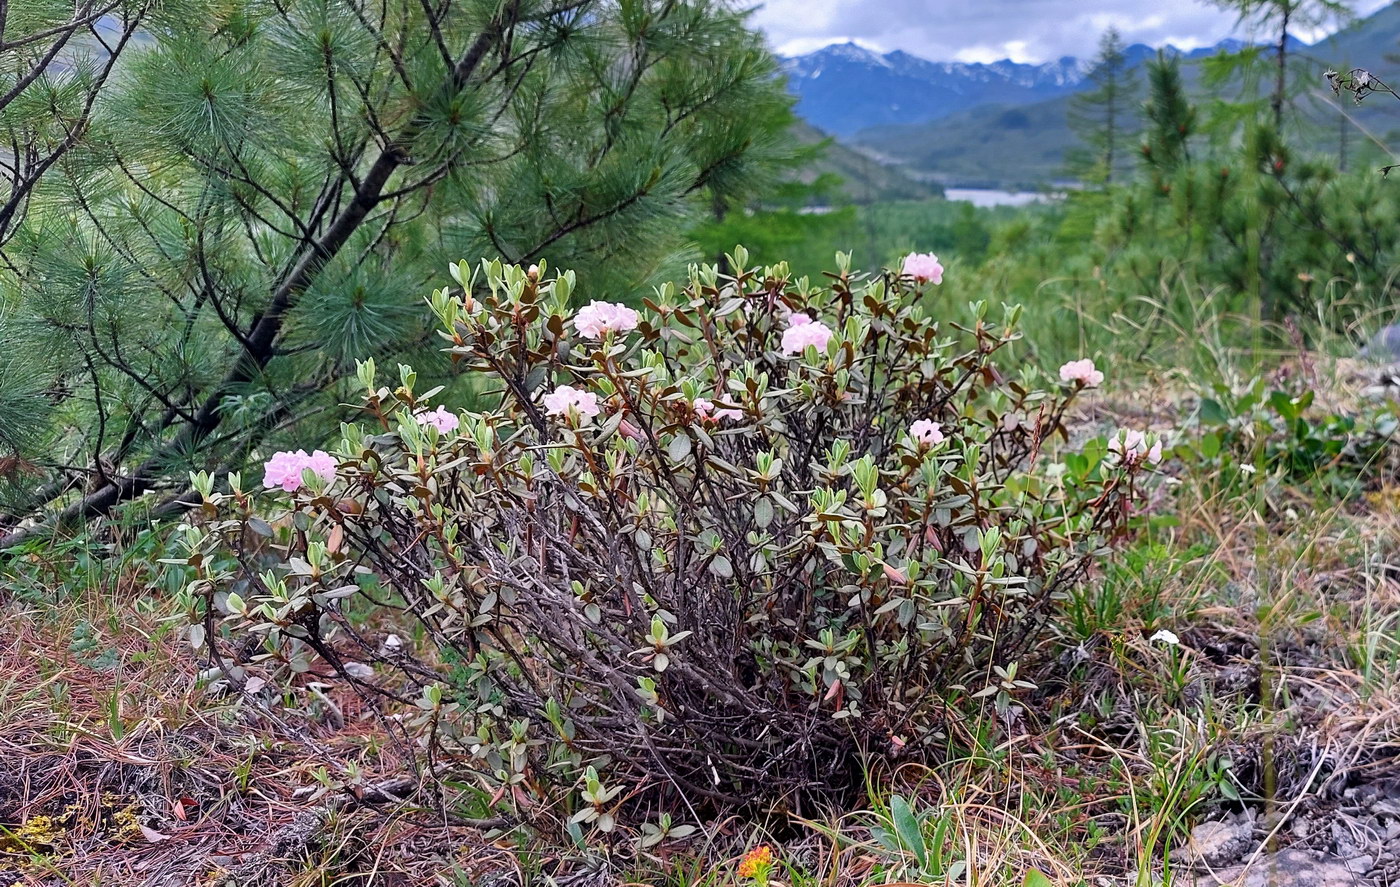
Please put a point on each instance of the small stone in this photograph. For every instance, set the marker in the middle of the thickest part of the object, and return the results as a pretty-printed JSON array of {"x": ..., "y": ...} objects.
[
  {"x": 359, "y": 670},
  {"x": 1361, "y": 864},
  {"x": 1384, "y": 345},
  {"x": 1386, "y": 807},
  {"x": 1218, "y": 842}
]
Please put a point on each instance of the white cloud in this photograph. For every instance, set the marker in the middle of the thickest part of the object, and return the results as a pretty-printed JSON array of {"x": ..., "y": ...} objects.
[{"x": 986, "y": 30}]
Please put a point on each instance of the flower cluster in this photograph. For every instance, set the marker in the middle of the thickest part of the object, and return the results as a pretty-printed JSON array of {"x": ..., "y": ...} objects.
[
  {"x": 924, "y": 268},
  {"x": 572, "y": 403},
  {"x": 1358, "y": 81},
  {"x": 1132, "y": 448},
  {"x": 1082, "y": 372},
  {"x": 756, "y": 862},
  {"x": 803, "y": 331},
  {"x": 285, "y": 469},
  {"x": 596, "y": 319},
  {"x": 440, "y": 419}
]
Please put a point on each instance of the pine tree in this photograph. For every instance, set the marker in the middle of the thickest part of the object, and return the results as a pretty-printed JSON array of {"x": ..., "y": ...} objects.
[
  {"x": 271, "y": 189},
  {"x": 55, "y": 57},
  {"x": 1103, "y": 117},
  {"x": 1171, "y": 120}
]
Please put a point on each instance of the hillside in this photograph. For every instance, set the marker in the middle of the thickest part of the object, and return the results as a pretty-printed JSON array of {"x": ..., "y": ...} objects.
[
  {"x": 863, "y": 180},
  {"x": 991, "y": 146}
]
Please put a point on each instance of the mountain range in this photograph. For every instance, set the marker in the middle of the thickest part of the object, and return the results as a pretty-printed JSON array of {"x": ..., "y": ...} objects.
[
  {"x": 1004, "y": 124},
  {"x": 845, "y": 87}
]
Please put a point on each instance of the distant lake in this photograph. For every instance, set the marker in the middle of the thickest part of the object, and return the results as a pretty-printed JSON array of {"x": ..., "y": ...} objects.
[{"x": 995, "y": 197}]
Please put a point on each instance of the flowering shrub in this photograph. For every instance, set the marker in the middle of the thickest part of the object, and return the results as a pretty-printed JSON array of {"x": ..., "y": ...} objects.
[{"x": 717, "y": 548}]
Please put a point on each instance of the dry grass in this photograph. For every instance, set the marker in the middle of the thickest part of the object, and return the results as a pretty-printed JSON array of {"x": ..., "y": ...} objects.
[{"x": 116, "y": 767}]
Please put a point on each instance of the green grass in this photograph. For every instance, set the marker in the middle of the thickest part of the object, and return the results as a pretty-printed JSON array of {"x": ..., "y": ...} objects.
[{"x": 877, "y": 234}]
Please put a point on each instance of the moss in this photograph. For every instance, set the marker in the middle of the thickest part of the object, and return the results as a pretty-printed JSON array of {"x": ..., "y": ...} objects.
[{"x": 36, "y": 833}]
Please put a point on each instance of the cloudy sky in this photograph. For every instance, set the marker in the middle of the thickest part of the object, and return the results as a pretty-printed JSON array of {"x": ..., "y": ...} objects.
[{"x": 987, "y": 30}]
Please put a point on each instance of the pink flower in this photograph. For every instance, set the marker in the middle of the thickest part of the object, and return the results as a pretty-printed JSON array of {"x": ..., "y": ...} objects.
[
  {"x": 803, "y": 331},
  {"x": 285, "y": 469},
  {"x": 923, "y": 267},
  {"x": 705, "y": 409},
  {"x": 440, "y": 419},
  {"x": 926, "y": 433},
  {"x": 597, "y": 318},
  {"x": 1083, "y": 372},
  {"x": 321, "y": 463},
  {"x": 1131, "y": 447},
  {"x": 572, "y": 403}
]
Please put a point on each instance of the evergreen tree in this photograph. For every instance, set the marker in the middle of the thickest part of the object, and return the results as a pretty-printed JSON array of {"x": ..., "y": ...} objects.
[
  {"x": 1282, "y": 19},
  {"x": 1103, "y": 117},
  {"x": 272, "y": 187},
  {"x": 55, "y": 57},
  {"x": 1171, "y": 119}
]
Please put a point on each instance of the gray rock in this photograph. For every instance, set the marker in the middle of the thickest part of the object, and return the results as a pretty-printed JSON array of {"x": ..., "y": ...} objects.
[
  {"x": 1287, "y": 868},
  {"x": 1384, "y": 345},
  {"x": 1219, "y": 842}
]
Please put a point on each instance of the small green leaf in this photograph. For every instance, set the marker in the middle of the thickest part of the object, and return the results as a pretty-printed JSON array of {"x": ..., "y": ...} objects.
[
  {"x": 763, "y": 513},
  {"x": 1213, "y": 413},
  {"x": 1036, "y": 878},
  {"x": 1284, "y": 405},
  {"x": 906, "y": 825},
  {"x": 678, "y": 448},
  {"x": 1210, "y": 446},
  {"x": 940, "y": 838},
  {"x": 571, "y": 828}
]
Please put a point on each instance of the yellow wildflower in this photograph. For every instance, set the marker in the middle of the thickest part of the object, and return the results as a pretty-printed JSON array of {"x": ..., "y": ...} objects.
[{"x": 756, "y": 862}]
